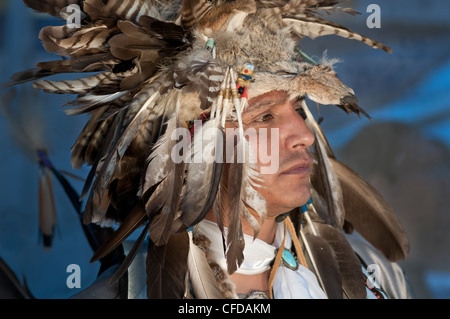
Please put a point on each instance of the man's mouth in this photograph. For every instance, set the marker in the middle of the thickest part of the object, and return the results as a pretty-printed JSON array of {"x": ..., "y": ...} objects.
[{"x": 299, "y": 169}]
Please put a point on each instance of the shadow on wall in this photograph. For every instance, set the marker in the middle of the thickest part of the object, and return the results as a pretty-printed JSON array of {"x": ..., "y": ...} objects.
[{"x": 412, "y": 172}]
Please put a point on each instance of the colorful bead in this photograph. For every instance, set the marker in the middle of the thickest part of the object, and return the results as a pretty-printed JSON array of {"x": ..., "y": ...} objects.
[
  {"x": 244, "y": 79},
  {"x": 210, "y": 44}
]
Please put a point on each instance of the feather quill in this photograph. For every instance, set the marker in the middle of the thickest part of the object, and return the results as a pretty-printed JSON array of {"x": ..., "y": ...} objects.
[
  {"x": 253, "y": 201},
  {"x": 315, "y": 127}
]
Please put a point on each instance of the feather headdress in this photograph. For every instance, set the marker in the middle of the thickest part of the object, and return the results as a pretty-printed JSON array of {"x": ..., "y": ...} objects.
[{"x": 163, "y": 66}]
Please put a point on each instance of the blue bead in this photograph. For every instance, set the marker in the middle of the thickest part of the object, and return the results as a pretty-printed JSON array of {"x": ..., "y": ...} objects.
[{"x": 289, "y": 259}]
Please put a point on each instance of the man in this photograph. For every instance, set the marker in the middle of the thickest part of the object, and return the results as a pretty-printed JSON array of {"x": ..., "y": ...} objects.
[
  {"x": 166, "y": 68},
  {"x": 285, "y": 189}
]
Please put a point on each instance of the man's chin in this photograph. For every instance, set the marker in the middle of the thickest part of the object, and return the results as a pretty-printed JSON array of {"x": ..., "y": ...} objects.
[
  {"x": 302, "y": 199},
  {"x": 287, "y": 206}
]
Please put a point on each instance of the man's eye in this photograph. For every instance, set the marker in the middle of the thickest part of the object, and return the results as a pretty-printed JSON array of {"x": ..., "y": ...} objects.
[
  {"x": 301, "y": 112},
  {"x": 264, "y": 118}
]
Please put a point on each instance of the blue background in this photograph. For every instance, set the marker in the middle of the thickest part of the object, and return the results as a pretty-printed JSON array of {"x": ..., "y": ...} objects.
[{"x": 407, "y": 93}]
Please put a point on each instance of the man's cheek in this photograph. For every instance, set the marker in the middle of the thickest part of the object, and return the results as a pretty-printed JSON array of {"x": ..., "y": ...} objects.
[{"x": 268, "y": 150}]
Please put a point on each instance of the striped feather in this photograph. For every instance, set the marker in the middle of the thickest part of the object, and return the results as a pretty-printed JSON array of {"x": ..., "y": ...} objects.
[
  {"x": 92, "y": 102},
  {"x": 130, "y": 10},
  {"x": 193, "y": 11},
  {"x": 88, "y": 142},
  {"x": 302, "y": 17},
  {"x": 314, "y": 27},
  {"x": 85, "y": 85},
  {"x": 89, "y": 40},
  {"x": 201, "y": 75},
  {"x": 90, "y": 63}
]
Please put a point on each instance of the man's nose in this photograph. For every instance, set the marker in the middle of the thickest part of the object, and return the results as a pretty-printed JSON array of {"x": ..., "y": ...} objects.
[{"x": 297, "y": 134}]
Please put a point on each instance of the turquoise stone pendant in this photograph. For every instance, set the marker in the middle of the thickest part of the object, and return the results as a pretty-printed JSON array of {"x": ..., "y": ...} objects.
[{"x": 289, "y": 260}]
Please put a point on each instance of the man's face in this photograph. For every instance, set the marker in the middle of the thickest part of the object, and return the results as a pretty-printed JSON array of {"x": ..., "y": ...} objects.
[{"x": 288, "y": 186}]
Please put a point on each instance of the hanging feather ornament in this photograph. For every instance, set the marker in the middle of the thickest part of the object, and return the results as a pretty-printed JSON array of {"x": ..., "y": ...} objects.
[{"x": 28, "y": 132}]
